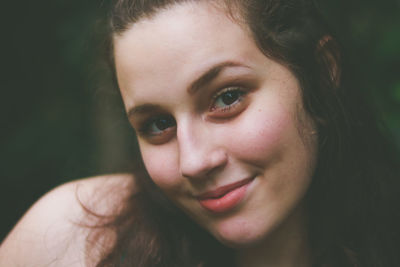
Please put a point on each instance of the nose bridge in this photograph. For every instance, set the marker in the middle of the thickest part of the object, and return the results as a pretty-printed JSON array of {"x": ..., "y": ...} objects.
[{"x": 199, "y": 154}]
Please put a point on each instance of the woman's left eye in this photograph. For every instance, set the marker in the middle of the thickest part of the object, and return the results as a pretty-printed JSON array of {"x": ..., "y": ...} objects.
[{"x": 227, "y": 99}]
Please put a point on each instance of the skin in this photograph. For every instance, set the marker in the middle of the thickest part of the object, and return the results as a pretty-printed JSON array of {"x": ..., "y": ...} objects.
[
  {"x": 264, "y": 133},
  {"x": 194, "y": 141},
  {"x": 52, "y": 231}
]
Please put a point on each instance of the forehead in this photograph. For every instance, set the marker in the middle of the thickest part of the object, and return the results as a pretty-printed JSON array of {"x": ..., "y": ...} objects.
[{"x": 171, "y": 48}]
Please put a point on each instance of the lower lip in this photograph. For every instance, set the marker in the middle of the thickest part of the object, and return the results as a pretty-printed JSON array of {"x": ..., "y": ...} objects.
[{"x": 226, "y": 202}]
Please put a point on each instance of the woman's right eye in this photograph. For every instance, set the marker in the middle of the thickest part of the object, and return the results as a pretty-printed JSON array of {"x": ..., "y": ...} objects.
[{"x": 157, "y": 126}]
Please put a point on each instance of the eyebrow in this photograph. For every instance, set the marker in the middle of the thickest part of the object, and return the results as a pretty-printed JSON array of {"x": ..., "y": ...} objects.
[
  {"x": 141, "y": 109},
  {"x": 211, "y": 74},
  {"x": 200, "y": 82}
]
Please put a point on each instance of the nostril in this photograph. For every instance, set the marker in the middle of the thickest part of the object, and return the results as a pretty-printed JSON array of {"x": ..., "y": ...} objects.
[
  {"x": 199, "y": 154},
  {"x": 199, "y": 167},
  {"x": 194, "y": 167}
]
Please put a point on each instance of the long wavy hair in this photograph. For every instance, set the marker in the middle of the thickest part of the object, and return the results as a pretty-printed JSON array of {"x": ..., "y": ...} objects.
[{"x": 353, "y": 197}]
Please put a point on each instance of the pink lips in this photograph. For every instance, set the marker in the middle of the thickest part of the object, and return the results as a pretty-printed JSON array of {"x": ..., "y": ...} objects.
[{"x": 225, "y": 197}]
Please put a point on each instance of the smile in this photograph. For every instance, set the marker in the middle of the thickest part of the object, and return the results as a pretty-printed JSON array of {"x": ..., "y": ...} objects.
[{"x": 225, "y": 197}]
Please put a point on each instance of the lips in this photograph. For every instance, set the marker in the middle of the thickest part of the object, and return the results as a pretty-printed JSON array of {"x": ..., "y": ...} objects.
[
  {"x": 225, "y": 197},
  {"x": 223, "y": 190}
]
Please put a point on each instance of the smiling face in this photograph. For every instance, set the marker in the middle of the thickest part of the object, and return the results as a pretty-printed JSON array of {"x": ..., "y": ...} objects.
[{"x": 221, "y": 127}]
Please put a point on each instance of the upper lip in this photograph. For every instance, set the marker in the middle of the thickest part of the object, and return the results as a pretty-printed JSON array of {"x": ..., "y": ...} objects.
[{"x": 220, "y": 191}]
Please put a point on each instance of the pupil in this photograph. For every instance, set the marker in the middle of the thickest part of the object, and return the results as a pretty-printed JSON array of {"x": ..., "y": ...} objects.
[
  {"x": 163, "y": 123},
  {"x": 230, "y": 97}
]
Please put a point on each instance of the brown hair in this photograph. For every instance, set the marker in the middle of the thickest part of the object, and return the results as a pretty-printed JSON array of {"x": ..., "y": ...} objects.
[{"x": 350, "y": 202}]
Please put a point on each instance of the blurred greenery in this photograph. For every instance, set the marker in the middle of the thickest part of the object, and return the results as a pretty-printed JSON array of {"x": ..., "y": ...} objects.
[
  {"x": 370, "y": 32},
  {"x": 61, "y": 120}
]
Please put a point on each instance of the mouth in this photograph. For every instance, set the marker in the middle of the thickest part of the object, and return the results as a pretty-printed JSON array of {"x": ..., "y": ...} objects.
[{"x": 225, "y": 197}]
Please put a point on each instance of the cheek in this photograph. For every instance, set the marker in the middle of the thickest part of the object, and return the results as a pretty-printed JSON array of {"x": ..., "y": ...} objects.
[
  {"x": 261, "y": 133},
  {"x": 162, "y": 165}
]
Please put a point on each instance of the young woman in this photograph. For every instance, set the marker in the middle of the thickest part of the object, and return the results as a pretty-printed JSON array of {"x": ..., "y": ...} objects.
[{"x": 257, "y": 150}]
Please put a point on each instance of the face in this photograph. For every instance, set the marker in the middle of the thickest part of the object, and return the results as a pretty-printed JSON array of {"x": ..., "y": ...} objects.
[{"x": 221, "y": 127}]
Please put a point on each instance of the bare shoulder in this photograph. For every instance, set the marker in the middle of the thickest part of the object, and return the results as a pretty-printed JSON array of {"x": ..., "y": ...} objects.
[{"x": 54, "y": 230}]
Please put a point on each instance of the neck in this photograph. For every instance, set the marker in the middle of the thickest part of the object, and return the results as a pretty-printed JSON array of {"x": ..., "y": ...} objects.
[{"x": 286, "y": 246}]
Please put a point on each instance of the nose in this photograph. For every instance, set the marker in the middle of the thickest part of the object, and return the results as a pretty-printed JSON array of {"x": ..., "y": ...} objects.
[{"x": 199, "y": 153}]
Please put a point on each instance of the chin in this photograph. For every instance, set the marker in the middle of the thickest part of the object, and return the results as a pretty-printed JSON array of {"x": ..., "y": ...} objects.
[
  {"x": 252, "y": 230},
  {"x": 241, "y": 241},
  {"x": 241, "y": 233}
]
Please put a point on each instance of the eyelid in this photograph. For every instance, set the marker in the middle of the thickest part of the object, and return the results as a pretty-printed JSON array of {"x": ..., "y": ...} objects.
[
  {"x": 232, "y": 109},
  {"x": 228, "y": 89},
  {"x": 142, "y": 129},
  {"x": 244, "y": 86},
  {"x": 161, "y": 138}
]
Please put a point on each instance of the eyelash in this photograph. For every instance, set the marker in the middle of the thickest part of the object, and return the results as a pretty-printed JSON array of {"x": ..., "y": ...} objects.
[
  {"x": 144, "y": 129},
  {"x": 225, "y": 112},
  {"x": 241, "y": 93}
]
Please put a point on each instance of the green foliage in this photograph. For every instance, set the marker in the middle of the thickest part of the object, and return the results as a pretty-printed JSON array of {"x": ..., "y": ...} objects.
[{"x": 370, "y": 31}]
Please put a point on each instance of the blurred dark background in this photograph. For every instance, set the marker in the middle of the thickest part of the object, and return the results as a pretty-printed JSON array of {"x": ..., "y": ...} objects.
[{"x": 61, "y": 119}]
